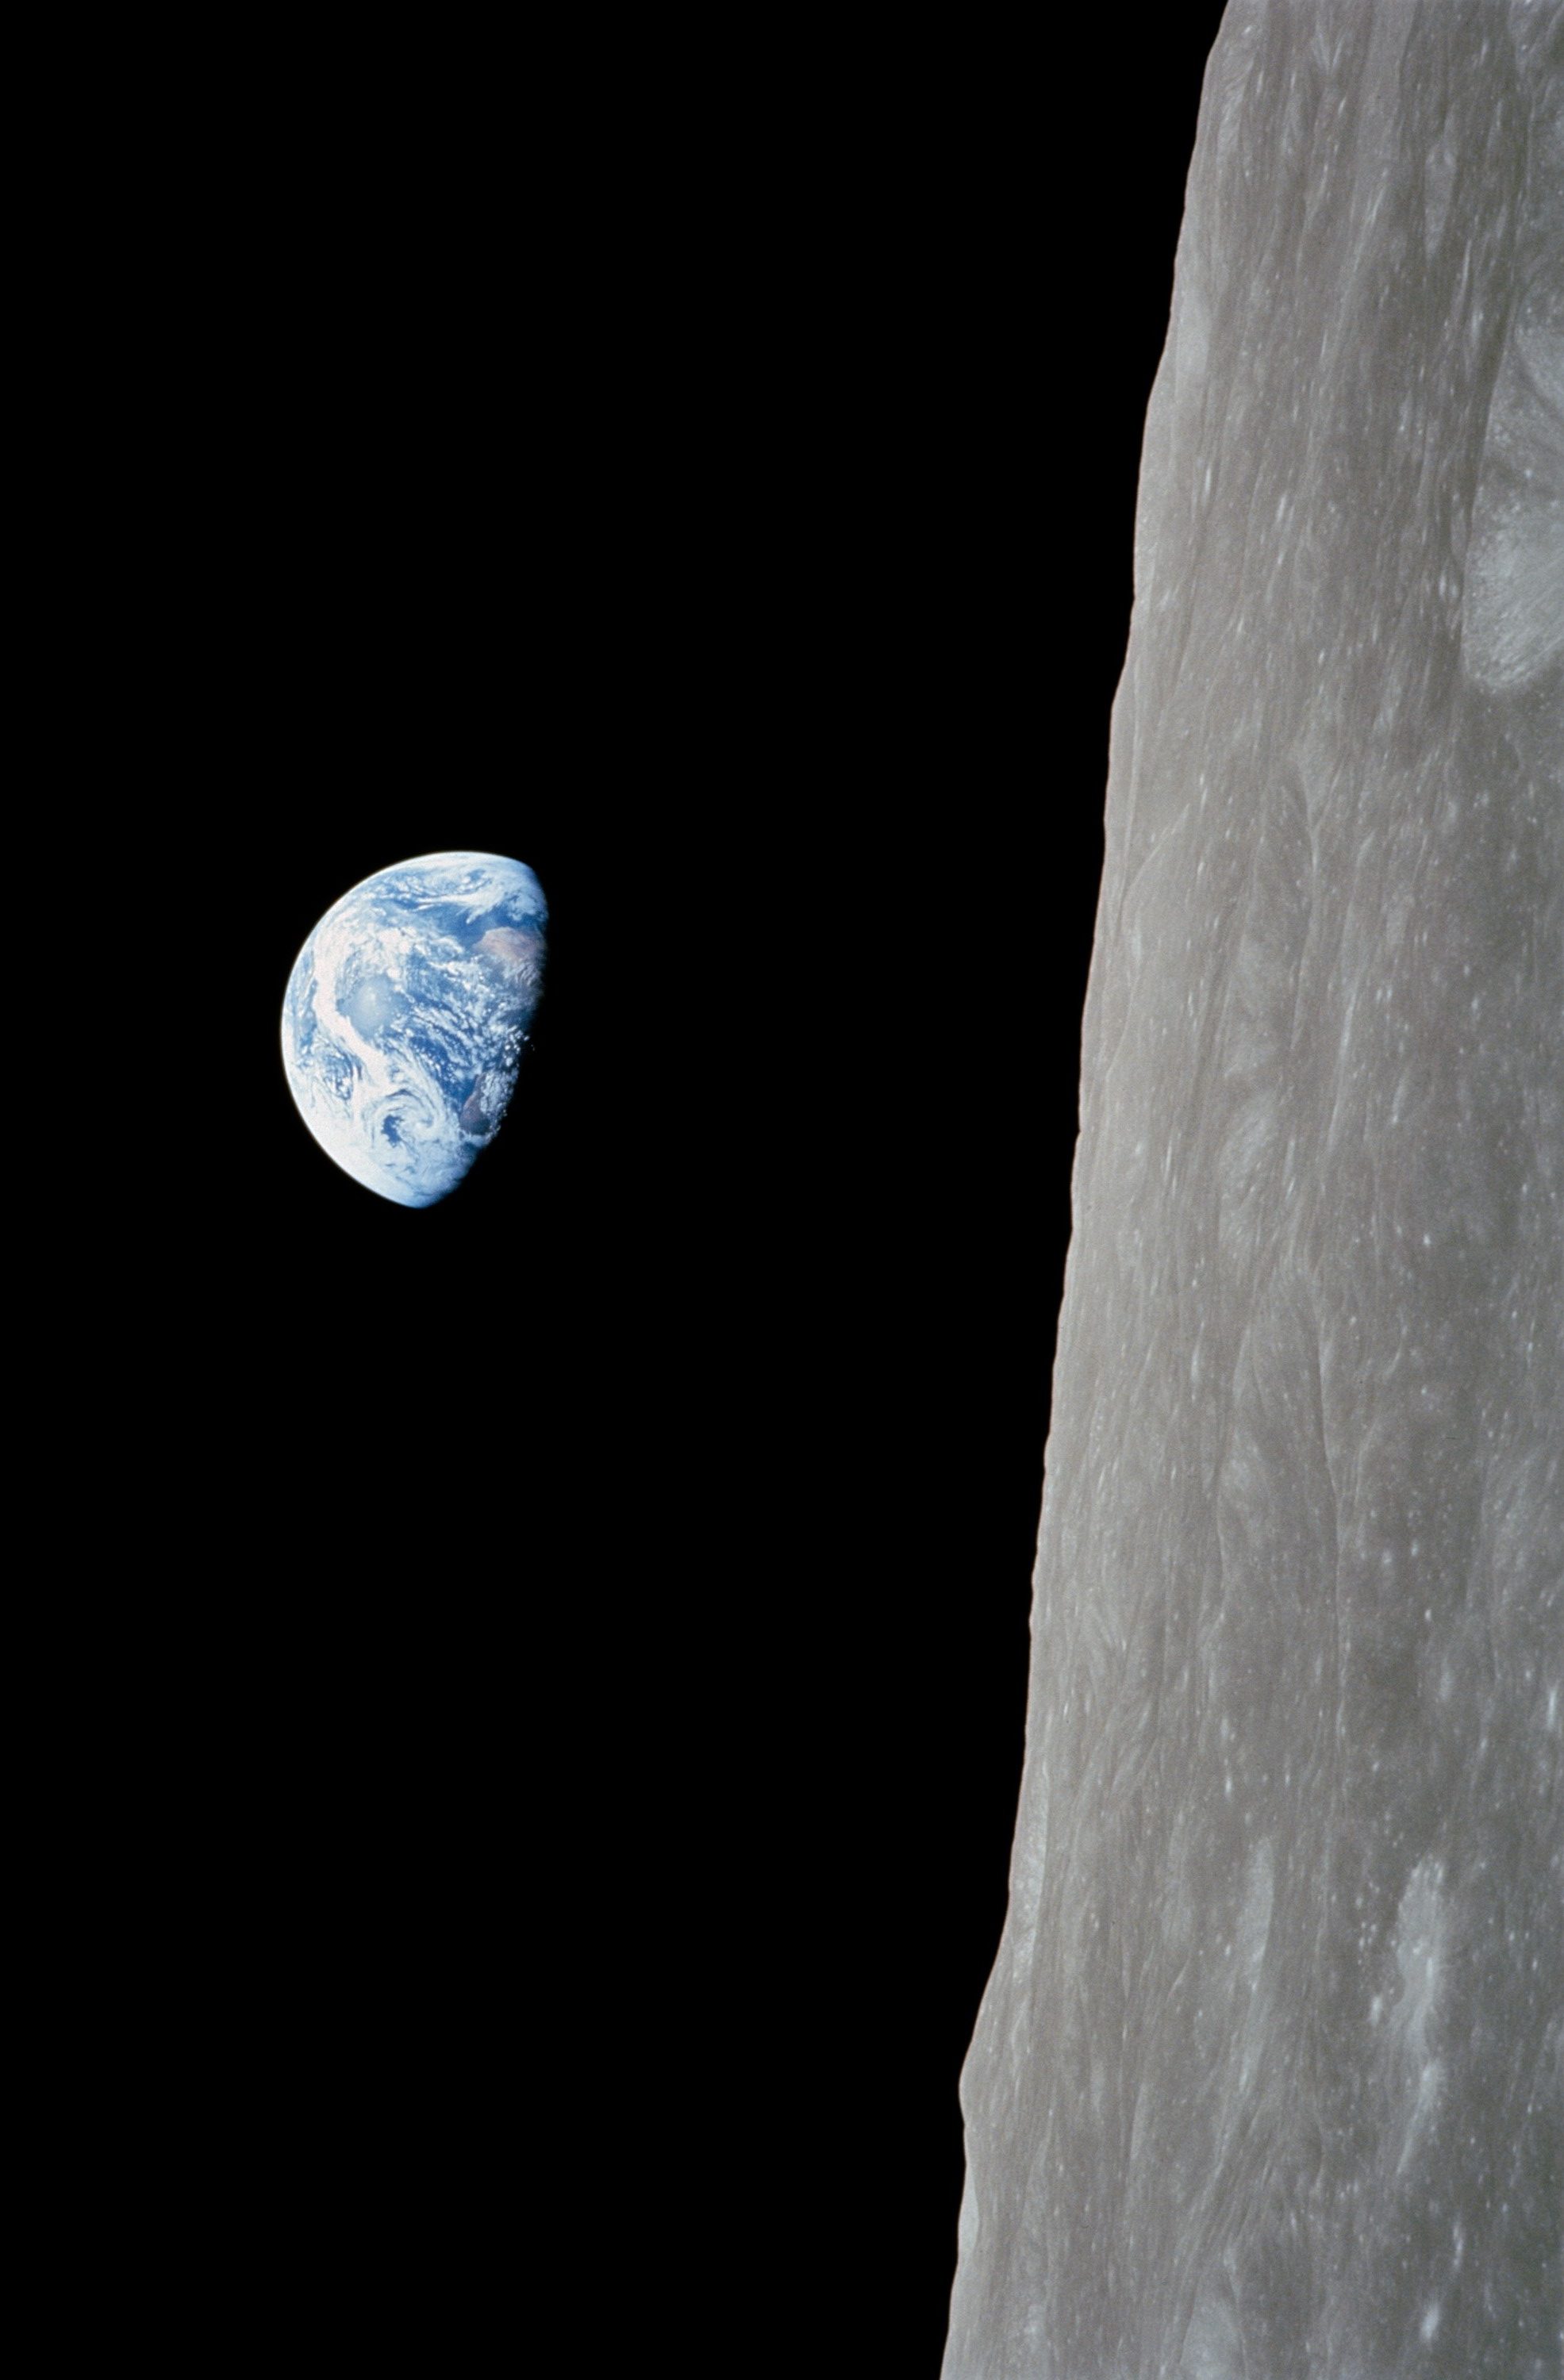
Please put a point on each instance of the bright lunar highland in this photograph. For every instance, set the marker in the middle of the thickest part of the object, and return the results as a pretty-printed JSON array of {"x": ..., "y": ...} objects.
[{"x": 406, "y": 1016}]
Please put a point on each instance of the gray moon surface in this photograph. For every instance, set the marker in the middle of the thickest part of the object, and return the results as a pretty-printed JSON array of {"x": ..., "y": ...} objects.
[{"x": 1268, "y": 2080}]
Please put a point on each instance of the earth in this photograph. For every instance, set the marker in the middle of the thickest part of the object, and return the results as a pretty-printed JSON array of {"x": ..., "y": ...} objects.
[{"x": 406, "y": 1016}]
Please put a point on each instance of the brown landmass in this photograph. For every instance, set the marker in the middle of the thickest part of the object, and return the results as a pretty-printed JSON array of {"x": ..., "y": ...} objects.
[{"x": 512, "y": 946}]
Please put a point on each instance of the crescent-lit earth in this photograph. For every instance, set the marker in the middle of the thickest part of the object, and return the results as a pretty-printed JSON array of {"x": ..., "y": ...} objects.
[{"x": 406, "y": 1016}]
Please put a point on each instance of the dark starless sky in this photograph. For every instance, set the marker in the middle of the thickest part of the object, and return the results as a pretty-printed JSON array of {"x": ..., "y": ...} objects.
[{"x": 726, "y": 509}]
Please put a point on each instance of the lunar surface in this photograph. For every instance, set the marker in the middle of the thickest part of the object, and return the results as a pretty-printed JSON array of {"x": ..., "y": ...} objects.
[
  {"x": 405, "y": 1017},
  {"x": 1268, "y": 2080}
]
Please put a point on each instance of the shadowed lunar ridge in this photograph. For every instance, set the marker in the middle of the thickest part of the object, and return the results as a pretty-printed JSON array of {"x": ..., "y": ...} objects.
[{"x": 1269, "y": 2076}]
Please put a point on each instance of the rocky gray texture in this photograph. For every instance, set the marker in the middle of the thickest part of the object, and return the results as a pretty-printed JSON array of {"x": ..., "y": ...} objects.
[{"x": 1269, "y": 2077}]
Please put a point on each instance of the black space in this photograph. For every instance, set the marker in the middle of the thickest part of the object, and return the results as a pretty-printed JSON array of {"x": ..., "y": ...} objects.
[{"x": 595, "y": 1608}]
